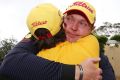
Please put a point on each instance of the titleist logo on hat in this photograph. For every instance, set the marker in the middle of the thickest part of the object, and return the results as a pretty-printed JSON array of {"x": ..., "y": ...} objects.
[
  {"x": 37, "y": 23},
  {"x": 83, "y": 5}
]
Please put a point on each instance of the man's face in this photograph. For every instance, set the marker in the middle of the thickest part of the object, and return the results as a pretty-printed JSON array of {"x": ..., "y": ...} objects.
[{"x": 76, "y": 27}]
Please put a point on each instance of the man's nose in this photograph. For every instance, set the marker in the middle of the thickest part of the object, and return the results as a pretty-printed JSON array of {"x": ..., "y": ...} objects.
[{"x": 74, "y": 27}]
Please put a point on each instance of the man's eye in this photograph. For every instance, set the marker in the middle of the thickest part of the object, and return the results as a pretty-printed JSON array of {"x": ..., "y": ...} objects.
[
  {"x": 68, "y": 18},
  {"x": 83, "y": 23}
]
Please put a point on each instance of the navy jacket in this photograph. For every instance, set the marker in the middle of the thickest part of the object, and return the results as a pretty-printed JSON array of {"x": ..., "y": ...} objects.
[
  {"x": 108, "y": 72},
  {"x": 22, "y": 64}
]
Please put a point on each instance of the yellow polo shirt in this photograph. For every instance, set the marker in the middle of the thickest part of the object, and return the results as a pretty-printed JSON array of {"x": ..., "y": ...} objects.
[{"x": 73, "y": 53}]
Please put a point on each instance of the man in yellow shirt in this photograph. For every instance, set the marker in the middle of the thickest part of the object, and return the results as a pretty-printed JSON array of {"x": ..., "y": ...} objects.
[{"x": 78, "y": 24}]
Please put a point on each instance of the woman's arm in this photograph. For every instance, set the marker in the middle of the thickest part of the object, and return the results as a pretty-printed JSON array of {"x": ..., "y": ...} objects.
[{"x": 22, "y": 64}]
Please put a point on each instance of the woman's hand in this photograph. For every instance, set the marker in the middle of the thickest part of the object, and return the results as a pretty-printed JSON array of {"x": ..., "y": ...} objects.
[{"x": 90, "y": 71}]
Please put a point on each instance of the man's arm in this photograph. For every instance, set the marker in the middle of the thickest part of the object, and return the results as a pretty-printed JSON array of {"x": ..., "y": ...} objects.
[{"x": 105, "y": 65}]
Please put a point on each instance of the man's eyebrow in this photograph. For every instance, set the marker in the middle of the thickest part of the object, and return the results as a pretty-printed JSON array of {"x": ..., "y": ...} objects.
[
  {"x": 83, "y": 20},
  {"x": 70, "y": 16}
]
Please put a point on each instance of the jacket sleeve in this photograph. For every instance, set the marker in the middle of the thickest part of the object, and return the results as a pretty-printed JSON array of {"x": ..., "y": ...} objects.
[
  {"x": 105, "y": 65},
  {"x": 21, "y": 63}
]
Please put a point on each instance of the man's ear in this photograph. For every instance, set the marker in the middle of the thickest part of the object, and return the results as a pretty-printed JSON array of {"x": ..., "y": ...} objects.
[
  {"x": 93, "y": 27},
  {"x": 64, "y": 24}
]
